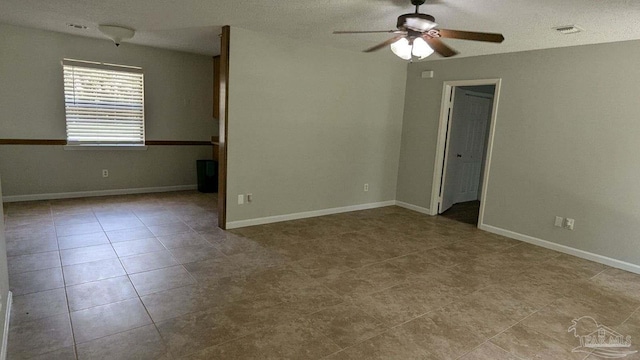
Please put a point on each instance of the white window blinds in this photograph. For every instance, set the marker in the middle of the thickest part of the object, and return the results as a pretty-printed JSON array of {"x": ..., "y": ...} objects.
[{"x": 104, "y": 103}]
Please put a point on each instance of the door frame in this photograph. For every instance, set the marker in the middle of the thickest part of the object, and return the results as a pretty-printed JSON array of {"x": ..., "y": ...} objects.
[
  {"x": 225, "y": 39},
  {"x": 446, "y": 110}
]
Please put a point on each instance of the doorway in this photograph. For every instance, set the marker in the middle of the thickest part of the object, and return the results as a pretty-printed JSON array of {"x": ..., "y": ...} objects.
[{"x": 465, "y": 141}]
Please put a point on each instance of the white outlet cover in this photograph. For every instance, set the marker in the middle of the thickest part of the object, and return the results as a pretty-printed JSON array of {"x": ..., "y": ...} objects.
[
  {"x": 559, "y": 221},
  {"x": 569, "y": 223},
  {"x": 240, "y": 199}
]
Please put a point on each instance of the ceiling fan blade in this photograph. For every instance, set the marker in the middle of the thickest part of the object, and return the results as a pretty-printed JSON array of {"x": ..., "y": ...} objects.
[
  {"x": 386, "y": 43},
  {"x": 470, "y": 35},
  {"x": 366, "y": 32},
  {"x": 439, "y": 47}
]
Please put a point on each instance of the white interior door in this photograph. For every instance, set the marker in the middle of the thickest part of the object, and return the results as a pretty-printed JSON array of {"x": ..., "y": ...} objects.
[{"x": 465, "y": 147}]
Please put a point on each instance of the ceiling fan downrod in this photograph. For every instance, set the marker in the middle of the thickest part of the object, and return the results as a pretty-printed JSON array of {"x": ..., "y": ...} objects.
[{"x": 417, "y": 3}]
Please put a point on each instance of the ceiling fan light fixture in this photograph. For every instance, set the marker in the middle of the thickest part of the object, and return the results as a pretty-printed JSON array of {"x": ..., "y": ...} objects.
[
  {"x": 419, "y": 24},
  {"x": 421, "y": 49},
  {"x": 402, "y": 48},
  {"x": 406, "y": 49},
  {"x": 116, "y": 33}
]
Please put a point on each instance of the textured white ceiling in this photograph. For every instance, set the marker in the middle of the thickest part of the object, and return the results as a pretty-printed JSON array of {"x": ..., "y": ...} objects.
[{"x": 193, "y": 25}]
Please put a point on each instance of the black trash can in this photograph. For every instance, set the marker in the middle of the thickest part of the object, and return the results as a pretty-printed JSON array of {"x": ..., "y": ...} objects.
[{"x": 207, "y": 176}]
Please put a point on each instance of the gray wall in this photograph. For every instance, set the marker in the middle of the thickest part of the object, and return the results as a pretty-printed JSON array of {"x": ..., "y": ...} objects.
[
  {"x": 178, "y": 104},
  {"x": 566, "y": 143},
  {"x": 309, "y": 126}
]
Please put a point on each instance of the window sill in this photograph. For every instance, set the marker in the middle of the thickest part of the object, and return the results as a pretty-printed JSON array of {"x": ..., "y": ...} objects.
[{"x": 105, "y": 147}]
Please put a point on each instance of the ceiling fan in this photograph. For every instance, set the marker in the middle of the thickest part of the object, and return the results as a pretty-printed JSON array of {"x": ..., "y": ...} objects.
[{"x": 418, "y": 37}]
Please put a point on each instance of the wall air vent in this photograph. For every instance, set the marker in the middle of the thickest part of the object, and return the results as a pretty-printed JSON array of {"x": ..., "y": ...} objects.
[{"x": 568, "y": 29}]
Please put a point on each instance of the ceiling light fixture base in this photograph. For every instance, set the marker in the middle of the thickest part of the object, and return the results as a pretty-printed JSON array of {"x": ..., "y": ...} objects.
[{"x": 116, "y": 33}]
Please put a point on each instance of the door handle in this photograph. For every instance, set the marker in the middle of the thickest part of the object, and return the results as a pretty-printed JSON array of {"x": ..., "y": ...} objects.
[{"x": 458, "y": 155}]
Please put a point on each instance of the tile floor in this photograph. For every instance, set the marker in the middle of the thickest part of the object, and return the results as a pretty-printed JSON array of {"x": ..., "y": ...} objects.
[
  {"x": 152, "y": 277},
  {"x": 466, "y": 212}
]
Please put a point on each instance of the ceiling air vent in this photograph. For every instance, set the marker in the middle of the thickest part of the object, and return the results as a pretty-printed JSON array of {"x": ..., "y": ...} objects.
[
  {"x": 77, "y": 26},
  {"x": 568, "y": 29}
]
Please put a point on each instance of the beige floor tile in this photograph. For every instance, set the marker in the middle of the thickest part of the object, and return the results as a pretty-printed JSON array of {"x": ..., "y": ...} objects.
[
  {"x": 309, "y": 299},
  {"x": 394, "y": 344},
  {"x": 149, "y": 261},
  {"x": 231, "y": 244},
  {"x": 513, "y": 305},
  {"x": 73, "y": 219},
  {"x": 404, "y": 302},
  {"x": 92, "y": 271},
  {"x": 67, "y": 353},
  {"x": 293, "y": 340},
  {"x": 318, "y": 266},
  {"x": 529, "y": 252},
  {"x": 112, "y": 224},
  {"x": 207, "y": 223},
  {"x": 87, "y": 254},
  {"x": 442, "y": 338},
  {"x": 161, "y": 279},
  {"x": 554, "y": 320},
  {"x": 345, "y": 324},
  {"x": 168, "y": 304},
  {"x": 100, "y": 292},
  {"x": 581, "y": 267},
  {"x": 619, "y": 282},
  {"x": 38, "y": 305},
  {"x": 257, "y": 260},
  {"x": 33, "y": 262},
  {"x": 110, "y": 319},
  {"x": 182, "y": 239},
  {"x": 170, "y": 229},
  {"x": 365, "y": 280},
  {"x": 129, "y": 234},
  {"x": 483, "y": 321},
  {"x": 529, "y": 344},
  {"x": 30, "y": 234},
  {"x": 190, "y": 333},
  {"x": 16, "y": 222},
  {"x": 35, "y": 281},
  {"x": 137, "y": 247},
  {"x": 77, "y": 241},
  {"x": 39, "y": 336},
  {"x": 154, "y": 219},
  {"x": 213, "y": 269},
  {"x": 488, "y": 351},
  {"x": 78, "y": 229},
  {"x": 415, "y": 264},
  {"x": 143, "y": 343},
  {"x": 33, "y": 246},
  {"x": 195, "y": 253}
]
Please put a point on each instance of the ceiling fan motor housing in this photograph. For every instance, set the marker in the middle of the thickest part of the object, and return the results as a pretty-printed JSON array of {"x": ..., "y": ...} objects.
[{"x": 402, "y": 19}]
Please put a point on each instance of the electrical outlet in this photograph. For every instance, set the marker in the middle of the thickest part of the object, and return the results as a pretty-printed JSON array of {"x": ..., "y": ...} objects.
[
  {"x": 240, "y": 199},
  {"x": 366, "y": 187},
  {"x": 559, "y": 221},
  {"x": 569, "y": 223},
  {"x": 105, "y": 173},
  {"x": 249, "y": 197}
]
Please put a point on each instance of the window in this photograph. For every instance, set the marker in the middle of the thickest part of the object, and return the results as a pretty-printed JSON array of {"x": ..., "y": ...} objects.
[{"x": 104, "y": 103}]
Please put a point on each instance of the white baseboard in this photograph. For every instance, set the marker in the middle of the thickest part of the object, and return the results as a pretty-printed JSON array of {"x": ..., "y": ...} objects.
[
  {"x": 5, "y": 334},
  {"x": 417, "y": 208},
  {"x": 306, "y": 214},
  {"x": 78, "y": 194},
  {"x": 563, "y": 249}
]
